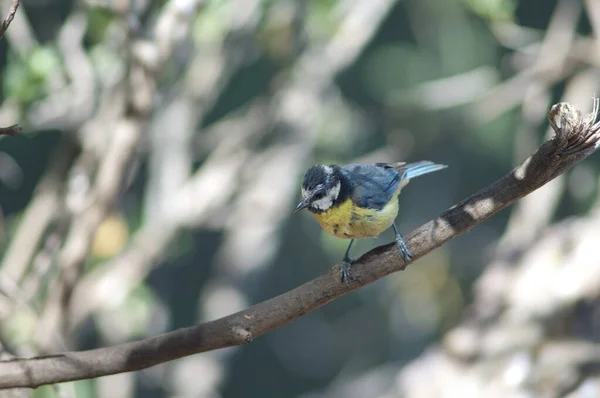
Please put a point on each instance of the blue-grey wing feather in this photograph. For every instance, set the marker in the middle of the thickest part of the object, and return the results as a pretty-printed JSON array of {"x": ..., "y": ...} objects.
[{"x": 374, "y": 184}]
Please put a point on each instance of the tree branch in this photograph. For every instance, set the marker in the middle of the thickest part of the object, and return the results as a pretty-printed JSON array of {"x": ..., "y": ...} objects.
[
  {"x": 10, "y": 130},
  {"x": 9, "y": 17},
  {"x": 15, "y": 128},
  {"x": 576, "y": 137}
]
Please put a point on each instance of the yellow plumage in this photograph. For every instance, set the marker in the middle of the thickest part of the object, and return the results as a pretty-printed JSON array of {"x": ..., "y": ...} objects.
[
  {"x": 347, "y": 220},
  {"x": 328, "y": 190}
]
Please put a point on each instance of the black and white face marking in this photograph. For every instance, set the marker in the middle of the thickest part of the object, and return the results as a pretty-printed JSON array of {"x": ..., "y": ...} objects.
[{"x": 320, "y": 188}]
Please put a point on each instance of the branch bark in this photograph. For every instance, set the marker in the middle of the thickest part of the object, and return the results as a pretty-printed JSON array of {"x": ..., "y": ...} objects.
[
  {"x": 15, "y": 128},
  {"x": 11, "y": 14},
  {"x": 576, "y": 137},
  {"x": 10, "y": 130}
]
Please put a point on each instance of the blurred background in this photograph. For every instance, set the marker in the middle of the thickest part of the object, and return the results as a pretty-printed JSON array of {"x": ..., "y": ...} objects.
[{"x": 163, "y": 148}]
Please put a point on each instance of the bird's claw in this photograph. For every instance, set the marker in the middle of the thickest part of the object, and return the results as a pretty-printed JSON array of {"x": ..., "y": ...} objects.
[
  {"x": 346, "y": 271},
  {"x": 406, "y": 255}
]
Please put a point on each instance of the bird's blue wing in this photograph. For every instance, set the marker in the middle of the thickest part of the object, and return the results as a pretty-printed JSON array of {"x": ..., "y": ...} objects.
[{"x": 373, "y": 184}]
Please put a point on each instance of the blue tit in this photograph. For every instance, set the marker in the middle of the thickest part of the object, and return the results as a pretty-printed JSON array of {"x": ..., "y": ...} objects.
[{"x": 359, "y": 200}]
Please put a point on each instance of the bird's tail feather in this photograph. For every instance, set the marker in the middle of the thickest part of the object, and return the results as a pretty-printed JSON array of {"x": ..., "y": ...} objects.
[{"x": 416, "y": 169}]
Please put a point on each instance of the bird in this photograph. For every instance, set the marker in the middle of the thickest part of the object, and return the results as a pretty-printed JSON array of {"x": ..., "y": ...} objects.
[{"x": 359, "y": 200}]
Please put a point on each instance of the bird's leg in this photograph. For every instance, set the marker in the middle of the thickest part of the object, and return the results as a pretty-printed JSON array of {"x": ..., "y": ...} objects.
[
  {"x": 346, "y": 264},
  {"x": 402, "y": 245}
]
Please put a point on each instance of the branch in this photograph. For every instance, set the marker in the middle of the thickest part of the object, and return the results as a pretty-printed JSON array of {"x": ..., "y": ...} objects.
[
  {"x": 14, "y": 129},
  {"x": 9, "y": 17},
  {"x": 11, "y": 130},
  {"x": 576, "y": 137}
]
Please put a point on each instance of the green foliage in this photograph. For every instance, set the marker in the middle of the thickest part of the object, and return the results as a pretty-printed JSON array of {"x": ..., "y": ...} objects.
[
  {"x": 493, "y": 10},
  {"x": 26, "y": 79},
  {"x": 321, "y": 23},
  {"x": 210, "y": 24},
  {"x": 20, "y": 328},
  {"x": 99, "y": 22},
  {"x": 44, "y": 392},
  {"x": 493, "y": 139},
  {"x": 138, "y": 309},
  {"x": 396, "y": 67}
]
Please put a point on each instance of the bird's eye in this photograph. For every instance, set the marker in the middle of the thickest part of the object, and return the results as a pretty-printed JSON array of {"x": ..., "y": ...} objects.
[{"x": 319, "y": 195}]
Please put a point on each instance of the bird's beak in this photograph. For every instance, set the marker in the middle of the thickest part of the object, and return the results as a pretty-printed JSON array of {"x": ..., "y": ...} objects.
[{"x": 303, "y": 204}]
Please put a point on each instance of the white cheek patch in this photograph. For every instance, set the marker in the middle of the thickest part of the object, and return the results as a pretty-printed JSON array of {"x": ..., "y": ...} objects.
[
  {"x": 327, "y": 201},
  {"x": 323, "y": 203}
]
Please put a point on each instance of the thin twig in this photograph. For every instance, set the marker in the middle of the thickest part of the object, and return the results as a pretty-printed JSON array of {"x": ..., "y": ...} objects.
[
  {"x": 9, "y": 18},
  {"x": 576, "y": 138},
  {"x": 15, "y": 128},
  {"x": 11, "y": 130}
]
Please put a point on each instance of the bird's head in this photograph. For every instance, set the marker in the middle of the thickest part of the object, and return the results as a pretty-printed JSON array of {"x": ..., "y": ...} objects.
[{"x": 320, "y": 188}]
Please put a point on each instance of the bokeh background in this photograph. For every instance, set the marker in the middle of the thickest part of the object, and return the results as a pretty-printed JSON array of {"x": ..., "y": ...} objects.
[{"x": 163, "y": 147}]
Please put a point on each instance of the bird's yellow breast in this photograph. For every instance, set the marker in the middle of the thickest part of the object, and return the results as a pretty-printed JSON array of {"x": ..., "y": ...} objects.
[{"x": 347, "y": 220}]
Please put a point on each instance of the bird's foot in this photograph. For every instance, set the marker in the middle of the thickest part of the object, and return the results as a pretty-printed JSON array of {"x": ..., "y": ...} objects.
[
  {"x": 346, "y": 270},
  {"x": 404, "y": 252}
]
